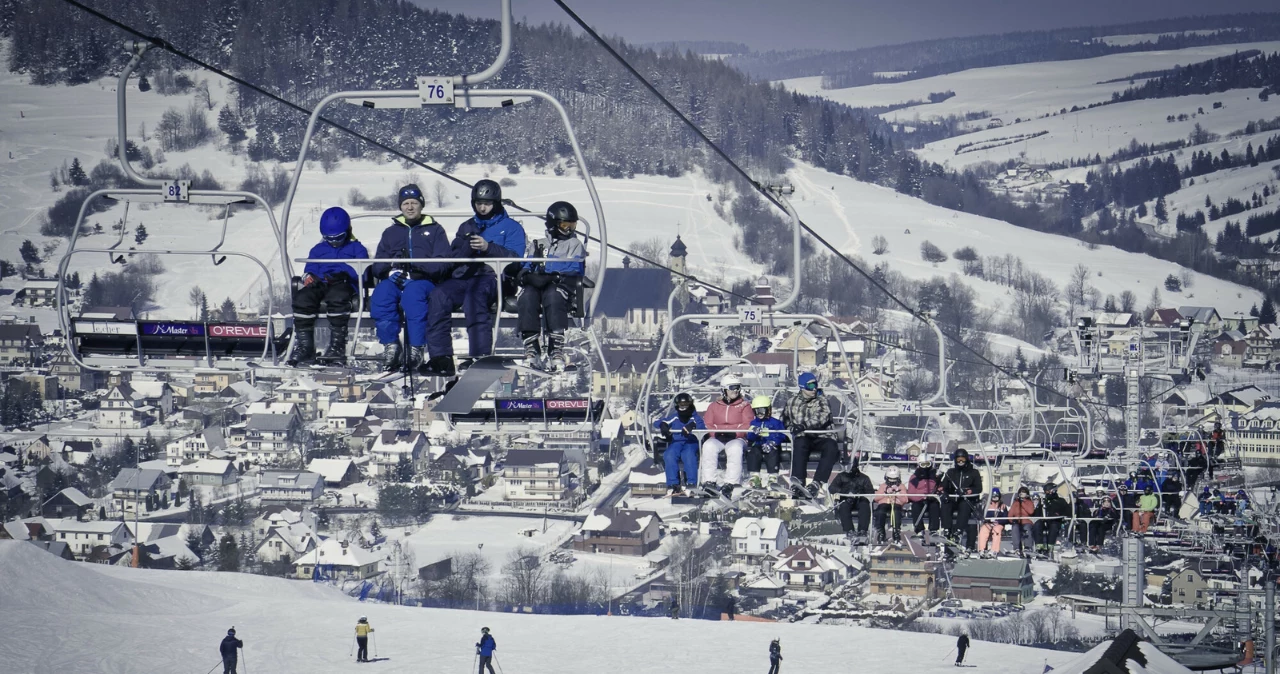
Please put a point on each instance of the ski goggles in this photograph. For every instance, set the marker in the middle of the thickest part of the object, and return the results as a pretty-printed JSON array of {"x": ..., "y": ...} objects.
[
  {"x": 336, "y": 239},
  {"x": 733, "y": 387},
  {"x": 811, "y": 386}
]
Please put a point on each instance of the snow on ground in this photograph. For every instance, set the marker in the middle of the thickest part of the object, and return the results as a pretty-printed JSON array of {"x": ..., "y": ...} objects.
[
  {"x": 446, "y": 535},
  {"x": 1024, "y": 90},
  {"x": 95, "y": 618},
  {"x": 852, "y": 213}
]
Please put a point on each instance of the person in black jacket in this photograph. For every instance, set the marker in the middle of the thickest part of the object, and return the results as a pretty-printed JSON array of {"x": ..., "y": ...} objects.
[
  {"x": 1056, "y": 510},
  {"x": 1128, "y": 504},
  {"x": 775, "y": 656},
  {"x": 228, "y": 650},
  {"x": 731, "y": 608},
  {"x": 962, "y": 645},
  {"x": 853, "y": 490},
  {"x": 406, "y": 286},
  {"x": 962, "y": 487}
]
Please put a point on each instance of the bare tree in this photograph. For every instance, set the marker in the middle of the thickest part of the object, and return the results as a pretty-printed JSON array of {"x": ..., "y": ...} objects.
[
  {"x": 1128, "y": 301},
  {"x": 524, "y": 580},
  {"x": 441, "y": 194},
  {"x": 1077, "y": 289},
  {"x": 879, "y": 245}
]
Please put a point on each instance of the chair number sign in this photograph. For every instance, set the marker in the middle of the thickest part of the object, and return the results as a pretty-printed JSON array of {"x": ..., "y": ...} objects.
[{"x": 176, "y": 190}]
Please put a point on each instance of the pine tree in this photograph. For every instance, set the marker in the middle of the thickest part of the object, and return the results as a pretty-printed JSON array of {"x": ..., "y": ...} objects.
[
  {"x": 76, "y": 173},
  {"x": 1162, "y": 211},
  {"x": 140, "y": 234},
  {"x": 228, "y": 553},
  {"x": 229, "y": 124},
  {"x": 143, "y": 85},
  {"x": 29, "y": 254},
  {"x": 1267, "y": 315},
  {"x": 227, "y": 312}
]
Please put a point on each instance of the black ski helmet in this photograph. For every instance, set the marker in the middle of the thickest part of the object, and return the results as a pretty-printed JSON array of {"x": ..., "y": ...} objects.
[
  {"x": 486, "y": 190},
  {"x": 561, "y": 211},
  {"x": 484, "y": 629},
  {"x": 683, "y": 398},
  {"x": 231, "y": 632}
]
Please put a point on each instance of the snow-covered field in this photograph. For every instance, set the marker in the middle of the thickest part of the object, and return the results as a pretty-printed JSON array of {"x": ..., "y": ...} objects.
[{"x": 96, "y": 619}]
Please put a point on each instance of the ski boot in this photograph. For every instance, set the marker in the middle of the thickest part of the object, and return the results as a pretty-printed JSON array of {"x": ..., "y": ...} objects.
[
  {"x": 304, "y": 348},
  {"x": 532, "y": 349},
  {"x": 413, "y": 360},
  {"x": 466, "y": 364},
  {"x": 558, "y": 360},
  {"x": 439, "y": 366},
  {"x": 392, "y": 357},
  {"x": 336, "y": 352}
]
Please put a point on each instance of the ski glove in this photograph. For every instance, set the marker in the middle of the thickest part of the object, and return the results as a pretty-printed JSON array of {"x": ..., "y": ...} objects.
[
  {"x": 308, "y": 279},
  {"x": 769, "y": 447},
  {"x": 689, "y": 427}
]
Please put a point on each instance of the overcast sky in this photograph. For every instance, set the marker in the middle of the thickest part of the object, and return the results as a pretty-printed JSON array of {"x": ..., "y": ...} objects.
[{"x": 839, "y": 24}]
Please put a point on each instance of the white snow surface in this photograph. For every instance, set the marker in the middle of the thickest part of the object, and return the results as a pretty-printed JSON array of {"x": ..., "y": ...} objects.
[{"x": 92, "y": 618}]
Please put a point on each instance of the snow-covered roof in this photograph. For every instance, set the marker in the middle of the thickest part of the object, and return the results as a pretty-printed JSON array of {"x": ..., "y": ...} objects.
[
  {"x": 206, "y": 467},
  {"x": 767, "y": 527},
  {"x": 331, "y": 551},
  {"x": 348, "y": 410},
  {"x": 247, "y": 391},
  {"x": 75, "y": 496},
  {"x": 271, "y": 407},
  {"x": 289, "y": 479},
  {"x": 813, "y": 558},
  {"x": 647, "y": 473},
  {"x": 135, "y": 478},
  {"x": 147, "y": 388},
  {"x": 269, "y": 422},
  {"x": 619, "y": 520},
  {"x": 296, "y": 535},
  {"x": 332, "y": 470},
  {"x": 70, "y": 526},
  {"x": 398, "y": 441},
  {"x": 306, "y": 385},
  {"x": 534, "y": 457},
  {"x": 40, "y": 284},
  {"x": 1134, "y": 656},
  {"x": 764, "y": 583}
]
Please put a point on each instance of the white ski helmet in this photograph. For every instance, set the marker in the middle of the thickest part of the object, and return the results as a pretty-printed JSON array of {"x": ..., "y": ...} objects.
[
  {"x": 729, "y": 380},
  {"x": 924, "y": 461},
  {"x": 892, "y": 474}
]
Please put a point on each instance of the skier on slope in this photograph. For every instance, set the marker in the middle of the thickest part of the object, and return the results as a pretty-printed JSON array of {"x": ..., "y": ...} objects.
[
  {"x": 853, "y": 489},
  {"x": 474, "y": 287},
  {"x": 485, "y": 648},
  {"x": 363, "y": 628},
  {"x": 228, "y": 650},
  {"x": 923, "y": 489},
  {"x": 729, "y": 417},
  {"x": 775, "y": 656},
  {"x": 962, "y": 645},
  {"x": 328, "y": 284},
  {"x": 962, "y": 486}
]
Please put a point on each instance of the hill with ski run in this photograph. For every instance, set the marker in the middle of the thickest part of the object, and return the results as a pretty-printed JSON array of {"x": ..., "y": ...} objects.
[{"x": 86, "y": 618}]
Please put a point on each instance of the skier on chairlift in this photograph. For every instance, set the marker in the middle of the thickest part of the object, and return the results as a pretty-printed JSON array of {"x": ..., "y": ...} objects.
[
  {"x": 548, "y": 286},
  {"x": 331, "y": 285},
  {"x": 727, "y": 418},
  {"x": 678, "y": 429}
]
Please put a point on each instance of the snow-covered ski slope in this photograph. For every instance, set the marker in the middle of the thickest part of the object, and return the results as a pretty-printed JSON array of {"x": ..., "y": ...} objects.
[
  {"x": 63, "y": 122},
  {"x": 1030, "y": 91},
  {"x": 73, "y": 618}
]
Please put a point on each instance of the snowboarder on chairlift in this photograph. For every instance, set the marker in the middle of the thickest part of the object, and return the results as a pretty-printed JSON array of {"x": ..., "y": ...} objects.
[
  {"x": 728, "y": 417},
  {"x": 406, "y": 286},
  {"x": 549, "y": 284},
  {"x": 331, "y": 285},
  {"x": 764, "y": 442},
  {"x": 363, "y": 628},
  {"x": 485, "y": 648},
  {"x": 923, "y": 488},
  {"x": 228, "y": 650},
  {"x": 810, "y": 410},
  {"x": 678, "y": 429},
  {"x": 474, "y": 287}
]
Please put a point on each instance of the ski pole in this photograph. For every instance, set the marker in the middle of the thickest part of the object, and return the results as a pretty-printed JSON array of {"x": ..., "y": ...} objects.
[
  {"x": 499, "y": 664},
  {"x": 352, "y": 650},
  {"x": 215, "y": 666},
  {"x": 474, "y": 659},
  {"x": 375, "y": 643},
  {"x": 948, "y": 656}
]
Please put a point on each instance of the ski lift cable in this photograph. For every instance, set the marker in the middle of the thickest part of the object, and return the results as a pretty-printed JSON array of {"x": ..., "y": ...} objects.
[
  {"x": 167, "y": 46},
  {"x": 763, "y": 190}
]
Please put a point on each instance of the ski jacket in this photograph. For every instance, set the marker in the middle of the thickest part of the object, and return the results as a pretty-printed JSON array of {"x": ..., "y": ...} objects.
[
  {"x": 963, "y": 642},
  {"x": 425, "y": 239},
  {"x": 1148, "y": 502},
  {"x": 487, "y": 645},
  {"x": 852, "y": 482},
  {"x": 965, "y": 481},
  {"x": 921, "y": 483},
  {"x": 228, "y": 647},
  {"x": 996, "y": 511},
  {"x": 1129, "y": 501},
  {"x": 767, "y": 424},
  {"x": 679, "y": 434},
  {"x": 775, "y": 651},
  {"x": 808, "y": 414},
  {"x": 734, "y": 415},
  {"x": 1107, "y": 511},
  {"x": 1080, "y": 508},
  {"x": 1140, "y": 484},
  {"x": 1056, "y": 507},
  {"x": 505, "y": 236},
  {"x": 363, "y": 629},
  {"x": 895, "y": 495},
  {"x": 331, "y": 272},
  {"x": 1021, "y": 510},
  {"x": 563, "y": 256}
]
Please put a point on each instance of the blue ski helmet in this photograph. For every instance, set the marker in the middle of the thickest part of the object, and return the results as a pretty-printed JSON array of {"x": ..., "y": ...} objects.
[
  {"x": 807, "y": 380},
  {"x": 335, "y": 225}
]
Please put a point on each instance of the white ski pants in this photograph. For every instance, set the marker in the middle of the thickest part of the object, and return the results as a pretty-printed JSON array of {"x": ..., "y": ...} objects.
[{"x": 708, "y": 465}]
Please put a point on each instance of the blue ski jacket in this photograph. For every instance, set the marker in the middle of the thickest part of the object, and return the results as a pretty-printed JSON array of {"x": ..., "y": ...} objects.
[
  {"x": 678, "y": 434},
  {"x": 326, "y": 270},
  {"x": 425, "y": 239},
  {"x": 767, "y": 424},
  {"x": 487, "y": 645},
  {"x": 505, "y": 236}
]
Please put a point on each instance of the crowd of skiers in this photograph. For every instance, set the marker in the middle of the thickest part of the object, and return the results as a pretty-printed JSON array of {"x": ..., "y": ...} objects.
[{"x": 419, "y": 297}]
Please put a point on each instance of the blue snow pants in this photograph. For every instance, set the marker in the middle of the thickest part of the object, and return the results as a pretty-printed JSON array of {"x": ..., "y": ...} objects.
[
  {"x": 677, "y": 452},
  {"x": 387, "y": 301},
  {"x": 474, "y": 295}
]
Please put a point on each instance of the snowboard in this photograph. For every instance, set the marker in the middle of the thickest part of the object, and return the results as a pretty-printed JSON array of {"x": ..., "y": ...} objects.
[{"x": 471, "y": 385}]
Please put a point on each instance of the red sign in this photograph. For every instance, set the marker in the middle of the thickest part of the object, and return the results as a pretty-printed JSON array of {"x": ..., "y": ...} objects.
[
  {"x": 576, "y": 404},
  {"x": 259, "y": 331}
]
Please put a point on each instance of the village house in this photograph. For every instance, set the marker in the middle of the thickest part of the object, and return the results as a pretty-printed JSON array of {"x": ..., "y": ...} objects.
[
  {"x": 998, "y": 580},
  {"x": 71, "y": 377},
  {"x": 122, "y": 409},
  {"x": 211, "y": 382},
  {"x": 1186, "y": 587},
  {"x": 37, "y": 451},
  {"x": 627, "y": 369},
  {"x": 902, "y": 570},
  {"x": 209, "y": 473},
  {"x": 313, "y": 399},
  {"x": 802, "y": 344},
  {"x": 278, "y": 486},
  {"x": 286, "y": 543},
  {"x": 269, "y": 438},
  {"x": 393, "y": 445},
  {"x": 648, "y": 479},
  {"x": 805, "y": 568},
  {"x": 20, "y": 343},
  {"x": 83, "y": 537},
  {"x": 536, "y": 475},
  {"x": 206, "y": 444},
  {"x": 281, "y": 515},
  {"x": 138, "y": 488},
  {"x": 638, "y": 308},
  {"x": 619, "y": 531},
  {"x": 754, "y": 539},
  {"x": 68, "y": 503},
  {"x": 1229, "y": 352},
  {"x": 1262, "y": 344},
  {"x": 855, "y": 350},
  {"x": 156, "y": 395},
  {"x": 337, "y": 560},
  {"x": 39, "y": 292},
  {"x": 337, "y": 473},
  {"x": 346, "y": 416}
]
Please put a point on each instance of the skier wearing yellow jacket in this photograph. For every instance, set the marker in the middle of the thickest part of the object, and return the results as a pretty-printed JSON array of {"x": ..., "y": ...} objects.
[{"x": 363, "y": 628}]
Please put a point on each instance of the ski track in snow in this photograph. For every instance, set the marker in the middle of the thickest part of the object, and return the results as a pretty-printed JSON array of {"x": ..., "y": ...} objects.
[{"x": 101, "y": 619}]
